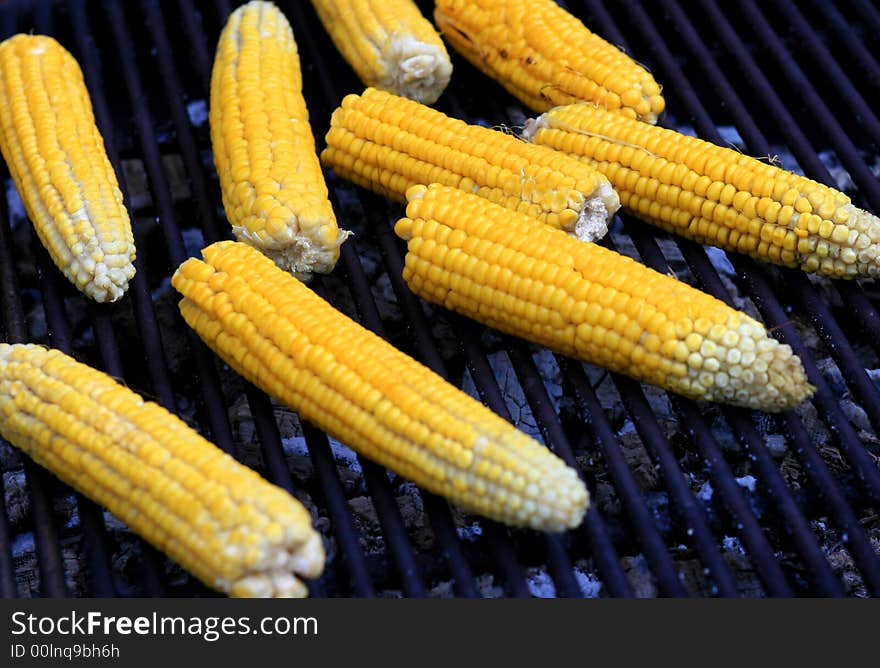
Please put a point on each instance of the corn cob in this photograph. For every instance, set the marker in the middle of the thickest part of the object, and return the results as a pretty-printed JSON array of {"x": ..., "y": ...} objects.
[
  {"x": 717, "y": 196},
  {"x": 388, "y": 143},
  {"x": 57, "y": 160},
  {"x": 216, "y": 517},
  {"x": 389, "y": 44},
  {"x": 546, "y": 57},
  {"x": 285, "y": 339},
  {"x": 582, "y": 300},
  {"x": 273, "y": 189}
]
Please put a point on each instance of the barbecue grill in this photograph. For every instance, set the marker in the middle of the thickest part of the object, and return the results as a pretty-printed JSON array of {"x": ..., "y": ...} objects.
[{"x": 689, "y": 499}]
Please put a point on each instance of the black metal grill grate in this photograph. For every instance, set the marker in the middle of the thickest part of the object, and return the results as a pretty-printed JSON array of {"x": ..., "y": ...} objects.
[{"x": 690, "y": 499}]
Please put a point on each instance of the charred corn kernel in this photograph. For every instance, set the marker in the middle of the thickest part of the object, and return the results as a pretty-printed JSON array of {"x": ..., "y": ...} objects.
[
  {"x": 217, "y": 518},
  {"x": 270, "y": 176},
  {"x": 389, "y": 44},
  {"x": 590, "y": 303},
  {"x": 389, "y": 143},
  {"x": 57, "y": 160},
  {"x": 546, "y": 57},
  {"x": 357, "y": 387},
  {"x": 717, "y": 196}
]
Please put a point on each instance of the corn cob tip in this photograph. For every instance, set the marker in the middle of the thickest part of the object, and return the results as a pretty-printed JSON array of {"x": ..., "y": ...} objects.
[
  {"x": 105, "y": 279},
  {"x": 389, "y": 44},
  {"x": 303, "y": 256},
  {"x": 291, "y": 562},
  {"x": 414, "y": 69},
  {"x": 862, "y": 249},
  {"x": 543, "y": 493},
  {"x": 557, "y": 501},
  {"x": 744, "y": 366},
  {"x": 598, "y": 208}
]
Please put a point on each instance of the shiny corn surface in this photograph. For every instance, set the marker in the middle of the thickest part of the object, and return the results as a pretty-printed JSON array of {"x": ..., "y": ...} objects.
[
  {"x": 56, "y": 156},
  {"x": 389, "y": 44},
  {"x": 270, "y": 176},
  {"x": 716, "y": 195},
  {"x": 388, "y": 143},
  {"x": 506, "y": 270},
  {"x": 546, "y": 57},
  {"x": 217, "y": 518},
  {"x": 361, "y": 390}
]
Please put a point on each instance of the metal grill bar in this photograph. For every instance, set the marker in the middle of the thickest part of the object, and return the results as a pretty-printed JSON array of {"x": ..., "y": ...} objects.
[
  {"x": 11, "y": 305},
  {"x": 692, "y": 514},
  {"x": 656, "y": 553},
  {"x": 868, "y": 14},
  {"x": 843, "y": 32},
  {"x": 824, "y": 400},
  {"x": 833, "y": 73},
  {"x": 835, "y": 341},
  {"x": 721, "y": 474},
  {"x": 709, "y": 279},
  {"x": 90, "y": 516},
  {"x": 843, "y": 145},
  {"x": 792, "y": 519},
  {"x": 752, "y": 270},
  {"x": 604, "y": 553},
  {"x": 340, "y": 516}
]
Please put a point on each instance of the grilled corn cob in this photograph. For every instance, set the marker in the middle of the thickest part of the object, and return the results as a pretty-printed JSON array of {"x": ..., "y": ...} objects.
[
  {"x": 582, "y": 300},
  {"x": 546, "y": 57},
  {"x": 57, "y": 160},
  {"x": 273, "y": 189},
  {"x": 717, "y": 196},
  {"x": 388, "y": 143},
  {"x": 285, "y": 339},
  {"x": 389, "y": 44},
  {"x": 216, "y": 517}
]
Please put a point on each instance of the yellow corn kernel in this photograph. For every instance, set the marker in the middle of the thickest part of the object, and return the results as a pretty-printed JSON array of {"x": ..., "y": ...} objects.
[
  {"x": 389, "y": 44},
  {"x": 389, "y": 143},
  {"x": 631, "y": 319},
  {"x": 270, "y": 176},
  {"x": 57, "y": 160},
  {"x": 718, "y": 196},
  {"x": 546, "y": 57},
  {"x": 217, "y": 518},
  {"x": 361, "y": 390}
]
